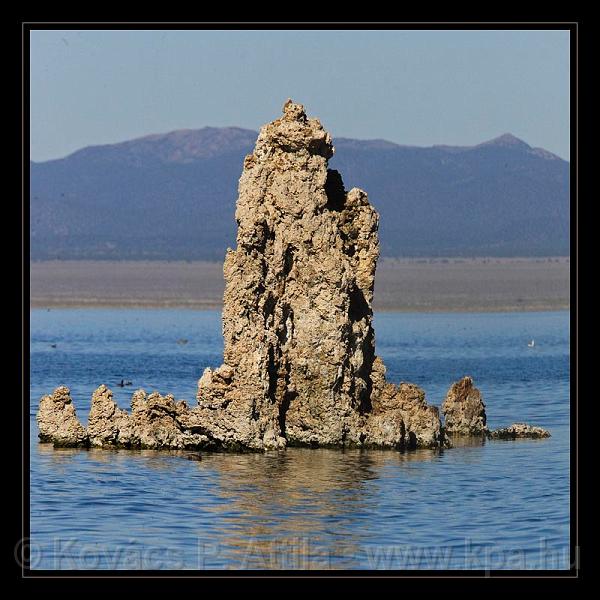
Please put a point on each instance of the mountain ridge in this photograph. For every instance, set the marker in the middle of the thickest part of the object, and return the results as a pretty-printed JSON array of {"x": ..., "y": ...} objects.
[
  {"x": 172, "y": 196},
  {"x": 250, "y": 135}
]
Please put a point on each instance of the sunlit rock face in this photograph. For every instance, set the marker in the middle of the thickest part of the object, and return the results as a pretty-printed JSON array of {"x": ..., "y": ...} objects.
[
  {"x": 464, "y": 409},
  {"x": 299, "y": 361},
  {"x": 57, "y": 421}
]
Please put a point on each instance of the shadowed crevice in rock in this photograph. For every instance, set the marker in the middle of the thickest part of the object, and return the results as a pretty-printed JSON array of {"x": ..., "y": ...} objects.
[
  {"x": 288, "y": 397},
  {"x": 299, "y": 362},
  {"x": 359, "y": 308},
  {"x": 334, "y": 188},
  {"x": 359, "y": 311}
]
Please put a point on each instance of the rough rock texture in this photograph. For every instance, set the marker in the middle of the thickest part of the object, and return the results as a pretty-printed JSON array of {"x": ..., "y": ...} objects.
[
  {"x": 299, "y": 360},
  {"x": 464, "y": 410},
  {"x": 519, "y": 430},
  {"x": 155, "y": 422},
  {"x": 464, "y": 415},
  {"x": 107, "y": 423},
  {"x": 58, "y": 422},
  {"x": 422, "y": 421}
]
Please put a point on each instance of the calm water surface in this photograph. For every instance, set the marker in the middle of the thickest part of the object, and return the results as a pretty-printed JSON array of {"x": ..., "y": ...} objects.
[{"x": 498, "y": 505}]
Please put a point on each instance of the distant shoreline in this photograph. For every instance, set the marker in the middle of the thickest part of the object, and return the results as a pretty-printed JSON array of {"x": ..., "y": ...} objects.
[
  {"x": 453, "y": 284},
  {"x": 82, "y": 305}
]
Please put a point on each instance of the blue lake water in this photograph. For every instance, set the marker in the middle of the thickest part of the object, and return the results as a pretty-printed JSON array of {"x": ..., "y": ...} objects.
[{"x": 497, "y": 505}]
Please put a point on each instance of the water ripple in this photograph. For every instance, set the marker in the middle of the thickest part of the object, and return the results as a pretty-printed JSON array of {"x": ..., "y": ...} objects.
[{"x": 497, "y": 505}]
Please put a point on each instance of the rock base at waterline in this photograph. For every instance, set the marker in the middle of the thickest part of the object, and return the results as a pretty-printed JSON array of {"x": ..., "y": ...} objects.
[{"x": 400, "y": 419}]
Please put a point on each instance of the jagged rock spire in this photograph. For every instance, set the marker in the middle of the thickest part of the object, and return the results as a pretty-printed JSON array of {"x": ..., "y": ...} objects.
[{"x": 297, "y": 319}]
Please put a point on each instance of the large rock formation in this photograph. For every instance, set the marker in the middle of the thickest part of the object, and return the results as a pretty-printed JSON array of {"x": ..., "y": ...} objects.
[{"x": 299, "y": 362}]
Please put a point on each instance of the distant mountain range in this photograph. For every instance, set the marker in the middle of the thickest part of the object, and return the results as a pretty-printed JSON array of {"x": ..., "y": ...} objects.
[{"x": 172, "y": 196}]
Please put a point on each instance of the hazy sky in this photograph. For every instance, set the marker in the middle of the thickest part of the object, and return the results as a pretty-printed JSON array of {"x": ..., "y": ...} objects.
[{"x": 409, "y": 87}]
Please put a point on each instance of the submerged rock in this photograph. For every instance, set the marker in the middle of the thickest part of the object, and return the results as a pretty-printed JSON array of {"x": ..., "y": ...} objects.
[
  {"x": 299, "y": 365},
  {"x": 57, "y": 420},
  {"x": 464, "y": 410},
  {"x": 518, "y": 431}
]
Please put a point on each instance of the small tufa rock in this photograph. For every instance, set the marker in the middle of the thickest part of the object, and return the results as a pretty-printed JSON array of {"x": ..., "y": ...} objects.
[
  {"x": 519, "y": 431},
  {"x": 155, "y": 422},
  {"x": 422, "y": 421},
  {"x": 464, "y": 410},
  {"x": 106, "y": 422},
  {"x": 162, "y": 422},
  {"x": 57, "y": 420},
  {"x": 464, "y": 413}
]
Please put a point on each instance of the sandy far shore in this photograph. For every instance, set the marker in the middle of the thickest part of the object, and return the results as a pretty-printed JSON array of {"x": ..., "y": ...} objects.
[{"x": 409, "y": 285}]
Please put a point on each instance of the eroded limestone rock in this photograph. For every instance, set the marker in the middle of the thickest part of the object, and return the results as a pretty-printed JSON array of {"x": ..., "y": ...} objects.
[
  {"x": 422, "y": 421},
  {"x": 299, "y": 364},
  {"x": 57, "y": 420},
  {"x": 464, "y": 409},
  {"x": 155, "y": 421},
  {"x": 106, "y": 421},
  {"x": 519, "y": 431},
  {"x": 299, "y": 359},
  {"x": 464, "y": 415}
]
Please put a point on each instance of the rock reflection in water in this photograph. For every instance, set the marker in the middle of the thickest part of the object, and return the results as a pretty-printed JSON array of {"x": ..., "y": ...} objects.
[
  {"x": 293, "y": 509},
  {"x": 298, "y": 509},
  {"x": 153, "y": 459}
]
